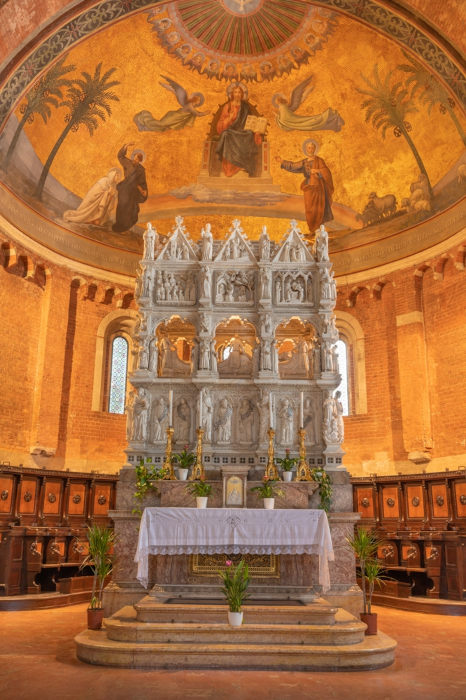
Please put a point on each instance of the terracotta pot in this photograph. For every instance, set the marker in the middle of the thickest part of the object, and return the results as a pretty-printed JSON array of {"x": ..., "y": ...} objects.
[
  {"x": 235, "y": 619},
  {"x": 94, "y": 618},
  {"x": 201, "y": 501},
  {"x": 182, "y": 473},
  {"x": 269, "y": 503},
  {"x": 371, "y": 621},
  {"x": 287, "y": 476}
]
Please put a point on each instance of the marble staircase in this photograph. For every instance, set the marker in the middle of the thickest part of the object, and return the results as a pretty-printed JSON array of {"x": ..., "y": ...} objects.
[{"x": 301, "y": 637}]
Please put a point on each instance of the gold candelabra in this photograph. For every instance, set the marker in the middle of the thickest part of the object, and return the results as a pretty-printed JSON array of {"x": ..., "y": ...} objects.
[
  {"x": 168, "y": 466},
  {"x": 303, "y": 473},
  {"x": 271, "y": 470},
  {"x": 198, "y": 469}
]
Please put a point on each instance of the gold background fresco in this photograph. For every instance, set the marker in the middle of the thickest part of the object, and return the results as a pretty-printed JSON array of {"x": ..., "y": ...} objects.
[{"x": 359, "y": 159}]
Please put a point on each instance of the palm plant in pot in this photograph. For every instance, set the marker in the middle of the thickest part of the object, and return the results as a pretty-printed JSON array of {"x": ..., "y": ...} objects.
[
  {"x": 184, "y": 460},
  {"x": 287, "y": 465},
  {"x": 235, "y": 583},
  {"x": 365, "y": 544},
  {"x": 201, "y": 490},
  {"x": 268, "y": 491},
  {"x": 100, "y": 561}
]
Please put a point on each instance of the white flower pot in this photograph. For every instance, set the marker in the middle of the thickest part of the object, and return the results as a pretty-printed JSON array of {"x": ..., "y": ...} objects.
[
  {"x": 182, "y": 473},
  {"x": 235, "y": 619},
  {"x": 201, "y": 501},
  {"x": 269, "y": 503},
  {"x": 287, "y": 476}
]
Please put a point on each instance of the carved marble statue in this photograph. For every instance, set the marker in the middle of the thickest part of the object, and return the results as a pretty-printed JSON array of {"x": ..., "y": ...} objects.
[
  {"x": 266, "y": 355},
  {"x": 207, "y": 411},
  {"x": 246, "y": 422},
  {"x": 328, "y": 286},
  {"x": 204, "y": 361},
  {"x": 143, "y": 357},
  {"x": 286, "y": 422},
  {"x": 333, "y": 431},
  {"x": 322, "y": 245},
  {"x": 309, "y": 421},
  {"x": 339, "y": 410},
  {"x": 149, "y": 242},
  {"x": 153, "y": 357},
  {"x": 264, "y": 415},
  {"x": 159, "y": 420},
  {"x": 264, "y": 245},
  {"x": 222, "y": 423},
  {"x": 207, "y": 243},
  {"x": 265, "y": 276},
  {"x": 139, "y": 415},
  {"x": 213, "y": 356},
  {"x": 206, "y": 279},
  {"x": 147, "y": 283},
  {"x": 266, "y": 326},
  {"x": 182, "y": 422}
]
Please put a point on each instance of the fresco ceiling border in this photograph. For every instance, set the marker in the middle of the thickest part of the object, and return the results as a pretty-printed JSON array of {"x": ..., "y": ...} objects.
[
  {"x": 348, "y": 261},
  {"x": 374, "y": 14}
]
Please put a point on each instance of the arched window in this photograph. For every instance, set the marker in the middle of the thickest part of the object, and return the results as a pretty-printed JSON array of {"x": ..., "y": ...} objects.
[
  {"x": 342, "y": 352},
  {"x": 118, "y": 371}
]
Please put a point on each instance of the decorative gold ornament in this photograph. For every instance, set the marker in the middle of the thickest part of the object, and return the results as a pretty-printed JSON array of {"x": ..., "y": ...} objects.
[
  {"x": 303, "y": 473},
  {"x": 198, "y": 469},
  {"x": 168, "y": 466},
  {"x": 271, "y": 471}
]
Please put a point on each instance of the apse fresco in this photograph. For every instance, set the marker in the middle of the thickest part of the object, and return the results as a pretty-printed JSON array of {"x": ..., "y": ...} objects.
[{"x": 257, "y": 109}]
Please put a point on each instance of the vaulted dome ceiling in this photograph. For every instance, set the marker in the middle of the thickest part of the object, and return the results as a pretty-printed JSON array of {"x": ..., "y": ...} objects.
[{"x": 380, "y": 93}]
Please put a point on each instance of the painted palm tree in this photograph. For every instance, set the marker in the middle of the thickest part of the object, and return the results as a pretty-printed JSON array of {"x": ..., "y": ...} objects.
[
  {"x": 88, "y": 102},
  {"x": 387, "y": 106},
  {"x": 430, "y": 90},
  {"x": 45, "y": 94}
]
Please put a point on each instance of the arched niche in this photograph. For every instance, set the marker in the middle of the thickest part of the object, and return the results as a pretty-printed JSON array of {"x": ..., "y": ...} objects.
[
  {"x": 235, "y": 343},
  {"x": 175, "y": 341},
  {"x": 295, "y": 341}
]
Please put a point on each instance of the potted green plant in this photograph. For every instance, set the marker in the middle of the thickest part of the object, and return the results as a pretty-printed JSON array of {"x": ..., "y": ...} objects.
[
  {"x": 268, "y": 491},
  {"x": 365, "y": 544},
  {"x": 235, "y": 583},
  {"x": 287, "y": 465},
  {"x": 201, "y": 490},
  {"x": 184, "y": 460},
  {"x": 100, "y": 561}
]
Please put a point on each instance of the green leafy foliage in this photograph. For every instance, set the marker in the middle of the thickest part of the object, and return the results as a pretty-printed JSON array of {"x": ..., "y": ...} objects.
[
  {"x": 235, "y": 583},
  {"x": 184, "y": 459},
  {"x": 325, "y": 487},
  {"x": 146, "y": 475},
  {"x": 365, "y": 544},
  {"x": 287, "y": 463},
  {"x": 99, "y": 559},
  {"x": 268, "y": 489},
  {"x": 199, "y": 488}
]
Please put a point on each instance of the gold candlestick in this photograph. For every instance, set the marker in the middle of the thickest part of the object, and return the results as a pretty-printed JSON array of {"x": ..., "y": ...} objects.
[
  {"x": 303, "y": 473},
  {"x": 168, "y": 466},
  {"x": 198, "y": 469},
  {"x": 271, "y": 470}
]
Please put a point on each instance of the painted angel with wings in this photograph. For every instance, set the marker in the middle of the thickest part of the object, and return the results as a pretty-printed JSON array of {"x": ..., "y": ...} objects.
[
  {"x": 175, "y": 119},
  {"x": 287, "y": 120}
]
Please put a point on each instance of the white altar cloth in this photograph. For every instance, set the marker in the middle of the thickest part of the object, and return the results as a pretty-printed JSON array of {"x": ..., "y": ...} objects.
[{"x": 234, "y": 531}]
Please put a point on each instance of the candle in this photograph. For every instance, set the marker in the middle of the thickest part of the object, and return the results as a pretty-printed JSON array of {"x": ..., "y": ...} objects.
[
  {"x": 301, "y": 411},
  {"x": 200, "y": 409},
  {"x": 270, "y": 410},
  {"x": 170, "y": 408}
]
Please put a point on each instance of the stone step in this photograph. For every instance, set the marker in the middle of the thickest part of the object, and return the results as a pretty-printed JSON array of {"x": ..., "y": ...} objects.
[
  {"x": 373, "y": 652},
  {"x": 149, "y": 610}
]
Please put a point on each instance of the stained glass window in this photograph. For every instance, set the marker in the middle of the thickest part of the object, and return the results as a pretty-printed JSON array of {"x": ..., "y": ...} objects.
[
  {"x": 343, "y": 369},
  {"x": 119, "y": 365}
]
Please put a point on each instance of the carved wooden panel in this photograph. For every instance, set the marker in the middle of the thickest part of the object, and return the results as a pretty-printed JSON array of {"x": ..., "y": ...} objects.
[
  {"x": 6, "y": 493},
  {"x": 410, "y": 554},
  {"x": 439, "y": 500},
  {"x": 78, "y": 549},
  {"x": 460, "y": 498},
  {"x": 390, "y": 502},
  {"x": 76, "y": 498},
  {"x": 28, "y": 496},
  {"x": 56, "y": 550},
  {"x": 414, "y": 501},
  {"x": 101, "y": 499},
  {"x": 34, "y": 550},
  {"x": 52, "y": 497},
  {"x": 387, "y": 552},
  {"x": 365, "y": 502}
]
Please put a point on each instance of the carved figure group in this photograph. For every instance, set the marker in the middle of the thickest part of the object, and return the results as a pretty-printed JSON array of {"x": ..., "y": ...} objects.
[
  {"x": 234, "y": 287},
  {"x": 174, "y": 287}
]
